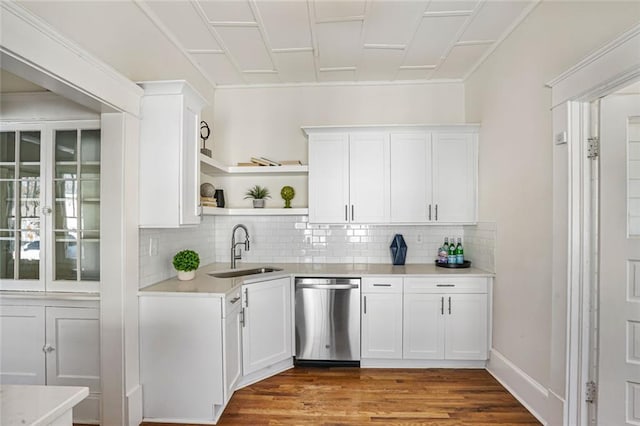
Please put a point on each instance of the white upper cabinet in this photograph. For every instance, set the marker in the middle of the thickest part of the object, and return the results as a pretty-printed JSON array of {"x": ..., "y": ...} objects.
[
  {"x": 393, "y": 174},
  {"x": 349, "y": 177},
  {"x": 169, "y": 154}
]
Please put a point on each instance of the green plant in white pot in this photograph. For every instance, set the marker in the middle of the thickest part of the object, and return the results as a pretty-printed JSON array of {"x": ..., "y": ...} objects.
[
  {"x": 186, "y": 262},
  {"x": 258, "y": 194}
]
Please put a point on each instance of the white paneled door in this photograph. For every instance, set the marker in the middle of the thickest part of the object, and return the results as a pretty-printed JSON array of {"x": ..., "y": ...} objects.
[{"x": 619, "y": 293}]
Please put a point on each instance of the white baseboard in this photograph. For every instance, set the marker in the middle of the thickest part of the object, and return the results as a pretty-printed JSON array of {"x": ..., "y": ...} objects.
[
  {"x": 419, "y": 363},
  {"x": 134, "y": 406},
  {"x": 555, "y": 411},
  {"x": 523, "y": 387}
]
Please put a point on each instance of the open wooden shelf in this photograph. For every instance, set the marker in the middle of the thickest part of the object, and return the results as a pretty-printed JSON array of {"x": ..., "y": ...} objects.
[
  {"x": 213, "y": 211},
  {"x": 212, "y": 167}
]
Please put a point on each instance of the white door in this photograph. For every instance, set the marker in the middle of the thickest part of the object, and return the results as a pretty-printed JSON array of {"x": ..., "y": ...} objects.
[
  {"x": 232, "y": 351},
  {"x": 454, "y": 177},
  {"x": 423, "y": 334},
  {"x": 381, "y": 326},
  {"x": 410, "y": 161},
  {"x": 369, "y": 183},
  {"x": 21, "y": 345},
  {"x": 266, "y": 336},
  {"x": 465, "y": 326},
  {"x": 619, "y": 289},
  {"x": 329, "y": 178}
]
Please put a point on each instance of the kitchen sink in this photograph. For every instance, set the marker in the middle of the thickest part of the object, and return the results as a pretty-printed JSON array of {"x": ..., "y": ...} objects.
[{"x": 244, "y": 272}]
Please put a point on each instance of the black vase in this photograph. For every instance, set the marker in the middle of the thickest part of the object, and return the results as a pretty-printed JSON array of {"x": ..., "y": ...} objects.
[
  {"x": 219, "y": 196},
  {"x": 398, "y": 250}
]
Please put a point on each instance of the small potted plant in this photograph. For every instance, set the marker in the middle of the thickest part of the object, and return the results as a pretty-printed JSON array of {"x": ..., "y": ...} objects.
[
  {"x": 186, "y": 262},
  {"x": 258, "y": 194}
]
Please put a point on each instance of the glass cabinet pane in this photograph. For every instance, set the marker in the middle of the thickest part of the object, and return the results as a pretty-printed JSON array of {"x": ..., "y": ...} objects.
[
  {"x": 90, "y": 262},
  {"x": 7, "y": 147},
  {"x": 66, "y": 145},
  {"x": 29, "y": 147},
  {"x": 90, "y": 146},
  {"x": 8, "y": 209},
  {"x": 29, "y": 266},
  {"x": 66, "y": 249},
  {"x": 7, "y": 254}
]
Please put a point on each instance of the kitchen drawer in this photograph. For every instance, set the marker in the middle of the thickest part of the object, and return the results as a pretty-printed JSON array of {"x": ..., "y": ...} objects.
[
  {"x": 232, "y": 301},
  {"x": 382, "y": 284},
  {"x": 445, "y": 284}
]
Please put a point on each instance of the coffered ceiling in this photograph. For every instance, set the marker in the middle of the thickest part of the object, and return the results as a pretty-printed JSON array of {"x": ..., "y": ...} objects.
[{"x": 267, "y": 41}]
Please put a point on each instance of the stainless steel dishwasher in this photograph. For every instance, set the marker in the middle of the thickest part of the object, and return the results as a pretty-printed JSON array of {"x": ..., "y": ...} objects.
[{"x": 327, "y": 320}]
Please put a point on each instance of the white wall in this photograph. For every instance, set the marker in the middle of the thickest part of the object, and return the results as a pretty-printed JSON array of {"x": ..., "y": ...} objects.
[{"x": 508, "y": 95}]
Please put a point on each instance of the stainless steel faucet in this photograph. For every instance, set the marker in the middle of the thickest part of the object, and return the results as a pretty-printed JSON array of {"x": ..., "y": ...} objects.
[{"x": 237, "y": 254}]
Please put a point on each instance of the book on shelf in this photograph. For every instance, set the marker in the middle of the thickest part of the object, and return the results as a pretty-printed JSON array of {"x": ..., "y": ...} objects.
[
  {"x": 270, "y": 162},
  {"x": 248, "y": 164},
  {"x": 291, "y": 162},
  {"x": 259, "y": 161}
]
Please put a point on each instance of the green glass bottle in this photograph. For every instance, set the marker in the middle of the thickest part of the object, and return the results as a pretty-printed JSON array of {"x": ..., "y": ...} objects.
[
  {"x": 459, "y": 252},
  {"x": 452, "y": 251}
]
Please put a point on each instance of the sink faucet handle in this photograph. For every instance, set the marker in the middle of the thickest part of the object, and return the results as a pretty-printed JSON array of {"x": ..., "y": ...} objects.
[{"x": 246, "y": 244}]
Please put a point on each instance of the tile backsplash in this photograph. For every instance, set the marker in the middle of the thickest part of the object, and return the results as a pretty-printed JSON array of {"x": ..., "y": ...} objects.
[{"x": 291, "y": 239}]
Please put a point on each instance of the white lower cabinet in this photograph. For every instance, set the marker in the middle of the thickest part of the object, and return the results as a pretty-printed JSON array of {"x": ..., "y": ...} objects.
[
  {"x": 195, "y": 351},
  {"x": 53, "y": 345},
  {"x": 267, "y": 324},
  {"x": 446, "y": 318},
  {"x": 381, "y": 336}
]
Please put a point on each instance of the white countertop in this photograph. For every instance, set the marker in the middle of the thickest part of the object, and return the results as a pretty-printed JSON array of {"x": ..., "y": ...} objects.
[
  {"x": 37, "y": 405},
  {"x": 204, "y": 284}
]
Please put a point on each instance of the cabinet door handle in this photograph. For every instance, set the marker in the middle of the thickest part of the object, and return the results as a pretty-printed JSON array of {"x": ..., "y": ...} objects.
[
  {"x": 234, "y": 300},
  {"x": 449, "y": 305},
  {"x": 242, "y": 317},
  {"x": 47, "y": 211},
  {"x": 365, "y": 305},
  {"x": 442, "y": 305},
  {"x": 346, "y": 213},
  {"x": 352, "y": 215},
  {"x": 246, "y": 297},
  {"x": 445, "y": 285},
  {"x": 429, "y": 211},
  {"x": 382, "y": 285},
  {"x": 436, "y": 212},
  {"x": 48, "y": 348}
]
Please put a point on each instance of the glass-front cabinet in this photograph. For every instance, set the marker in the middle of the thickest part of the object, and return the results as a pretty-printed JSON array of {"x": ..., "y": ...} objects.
[{"x": 50, "y": 214}]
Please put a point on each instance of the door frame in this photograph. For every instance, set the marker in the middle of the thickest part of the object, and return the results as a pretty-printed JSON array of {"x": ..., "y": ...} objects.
[{"x": 608, "y": 69}]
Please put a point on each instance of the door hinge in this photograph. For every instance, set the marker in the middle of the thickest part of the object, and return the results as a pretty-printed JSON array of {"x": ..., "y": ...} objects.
[
  {"x": 593, "y": 150},
  {"x": 591, "y": 391}
]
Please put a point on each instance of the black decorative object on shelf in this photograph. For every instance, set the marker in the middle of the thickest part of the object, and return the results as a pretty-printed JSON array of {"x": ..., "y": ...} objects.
[
  {"x": 398, "y": 250},
  {"x": 205, "y": 132},
  {"x": 219, "y": 196}
]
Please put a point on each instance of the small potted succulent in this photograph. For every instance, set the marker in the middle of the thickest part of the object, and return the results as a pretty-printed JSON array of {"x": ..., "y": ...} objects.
[
  {"x": 186, "y": 262},
  {"x": 258, "y": 194}
]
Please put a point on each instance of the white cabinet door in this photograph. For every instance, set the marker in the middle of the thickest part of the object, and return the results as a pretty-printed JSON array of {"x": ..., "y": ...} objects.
[
  {"x": 232, "y": 351},
  {"x": 266, "y": 336},
  {"x": 329, "y": 178},
  {"x": 454, "y": 177},
  {"x": 169, "y": 155},
  {"x": 411, "y": 192},
  {"x": 369, "y": 177},
  {"x": 73, "y": 347},
  {"x": 381, "y": 326},
  {"x": 423, "y": 336},
  {"x": 22, "y": 360},
  {"x": 466, "y": 326}
]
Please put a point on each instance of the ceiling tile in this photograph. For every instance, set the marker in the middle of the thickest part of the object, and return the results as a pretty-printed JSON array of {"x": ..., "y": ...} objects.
[
  {"x": 379, "y": 64},
  {"x": 262, "y": 78},
  {"x": 246, "y": 46},
  {"x": 338, "y": 75},
  {"x": 185, "y": 24},
  {"x": 460, "y": 61},
  {"x": 413, "y": 74},
  {"x": 295, "y": 33},
  {"x": 339, "y": 43},
  {"x": 451, "y": 6},
  {"x": 227, "y": 10},
  {"x": 493, "y": 19},
  {"x": 392, "y": 22},
  {"x": 218, "y": 68},
  {"x": 295, "y": 66},
  {"x": 326, "y": 10},
  {"x": 433, "y": 38}
]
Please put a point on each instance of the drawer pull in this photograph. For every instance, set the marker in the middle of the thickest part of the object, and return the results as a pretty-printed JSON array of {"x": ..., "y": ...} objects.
[
  {"x": 234, "y": 300},
  {"x": 445, "y": 285},
  {"x": 382, "y": 285}
]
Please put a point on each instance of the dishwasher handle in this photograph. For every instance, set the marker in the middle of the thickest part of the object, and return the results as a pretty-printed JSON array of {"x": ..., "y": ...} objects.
[{"x": 328, "y": 286}]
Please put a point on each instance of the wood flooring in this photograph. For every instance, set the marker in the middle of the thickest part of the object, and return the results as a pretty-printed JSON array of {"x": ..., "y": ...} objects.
[{"x": 354, "y": 396}]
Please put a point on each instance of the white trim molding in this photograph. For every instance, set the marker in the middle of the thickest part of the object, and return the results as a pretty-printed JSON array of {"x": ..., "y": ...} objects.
[
  {"x": 600, "y": 73},
  {"x": 523, "y": 387},
  {"x": 31, "y": 48}
]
